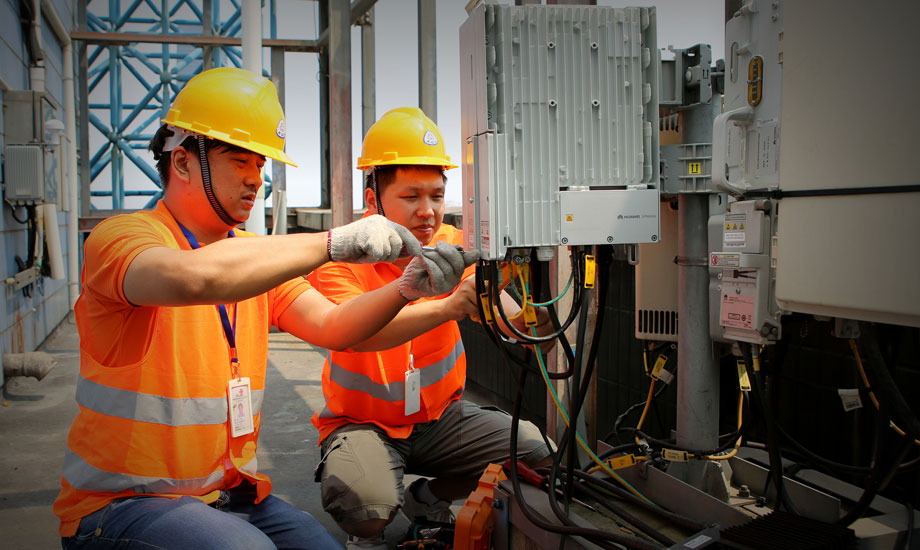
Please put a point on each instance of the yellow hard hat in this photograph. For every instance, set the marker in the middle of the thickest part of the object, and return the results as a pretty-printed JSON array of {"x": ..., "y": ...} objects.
[
  {"x": 404, "y": 136},
  {"x": 234, "y": 106}
]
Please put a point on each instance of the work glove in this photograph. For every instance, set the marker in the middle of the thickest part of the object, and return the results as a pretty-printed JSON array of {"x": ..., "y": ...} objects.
[
  {"x": 437, "y": 271},
  {"x": 370, "y": 240}
]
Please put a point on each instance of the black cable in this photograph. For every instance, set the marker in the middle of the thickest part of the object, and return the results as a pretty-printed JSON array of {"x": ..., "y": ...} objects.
[
  {"x": 844, "y": 191},
  {"x": 651, "y": 532},
  {"x": 544, "y": 297},
  {"x": 629, "y": 542},
  {"x": 877, "y": 483},
  {"x": 887, "y": 388},
  {"x": 13, "y": 213},
  {"x": 635, "y": 406},
  {"x": 573, "y": 313},
  {"x": 623, "y": 494},
  {"x": 773, "y": 451}
]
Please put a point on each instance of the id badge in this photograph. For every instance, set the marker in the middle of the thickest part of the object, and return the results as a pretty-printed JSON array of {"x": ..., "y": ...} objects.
[
  {"x": 413, "y": 391},
  {"x": 239, "y": 397}
]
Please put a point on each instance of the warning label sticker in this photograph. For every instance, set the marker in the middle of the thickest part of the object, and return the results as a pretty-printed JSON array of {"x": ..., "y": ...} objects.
[
  {"x": 737, "y": 311},
  {"x": 734, "y": 239}
]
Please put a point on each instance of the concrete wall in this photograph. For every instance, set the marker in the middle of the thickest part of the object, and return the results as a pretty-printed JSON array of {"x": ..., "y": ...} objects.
[{"x": 27, "y": 318}]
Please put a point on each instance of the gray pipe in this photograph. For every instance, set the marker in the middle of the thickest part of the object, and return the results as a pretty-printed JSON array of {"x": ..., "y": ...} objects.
[{"x": 36, "y": 364}]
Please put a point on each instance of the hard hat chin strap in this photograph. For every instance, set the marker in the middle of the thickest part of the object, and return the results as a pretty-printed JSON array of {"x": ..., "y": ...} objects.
[
  {"x": 208, "y": 190},
  {"x": 376, "y": 191}
]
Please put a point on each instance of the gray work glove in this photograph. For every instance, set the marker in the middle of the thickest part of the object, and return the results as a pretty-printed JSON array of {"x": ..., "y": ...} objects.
[
  {"x": 370, "y": 240},
  {"x": 437, "y": 271}
]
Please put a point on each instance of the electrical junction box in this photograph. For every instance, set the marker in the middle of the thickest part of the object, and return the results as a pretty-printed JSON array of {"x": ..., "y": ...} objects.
[
  {"x": 742, "y": 303},
  {"x": 746, "y": 136},
  {"x": 559, "y": 114},
  {"x": 24, "y": 166},
  {"x": 656, "y": 283},
  {"x": 851, "y": 253}
]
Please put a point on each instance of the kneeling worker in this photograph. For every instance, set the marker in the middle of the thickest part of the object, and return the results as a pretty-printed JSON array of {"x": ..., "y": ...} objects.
[
  {"x": 173, "y": 323},
  {"x": 393, "y": 402}
]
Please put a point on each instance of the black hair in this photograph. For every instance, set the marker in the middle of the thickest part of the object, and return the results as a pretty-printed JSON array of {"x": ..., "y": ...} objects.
[
  {"x": 190, "y": 144},
  {"x": 385, "y": 174}
]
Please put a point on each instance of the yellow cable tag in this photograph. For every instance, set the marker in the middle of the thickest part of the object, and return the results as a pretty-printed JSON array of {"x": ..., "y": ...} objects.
[
  {"x": 743, "y": 379},
  {"x": 486, "y": 307},
  {"x": 589, "y": 271},
  {"x": 675, "y": 456},
  {"x": 530, "y": 314},
  {"x": 621, "y": 462},
  {"x": 659, "y": 364}
]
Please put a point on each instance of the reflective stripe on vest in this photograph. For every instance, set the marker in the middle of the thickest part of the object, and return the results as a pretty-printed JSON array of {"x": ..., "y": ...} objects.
[
  {"x": 156, "y": 409},
  {"x": 85, "y": 477},
  {"x": 395, "y": 391}
]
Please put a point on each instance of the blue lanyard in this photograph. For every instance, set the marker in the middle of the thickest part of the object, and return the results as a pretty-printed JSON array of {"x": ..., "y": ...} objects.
[{"x": 229, "y": 329}]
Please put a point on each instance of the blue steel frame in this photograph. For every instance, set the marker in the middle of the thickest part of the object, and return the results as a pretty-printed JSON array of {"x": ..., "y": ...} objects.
[{"x": 160, "y": 69}]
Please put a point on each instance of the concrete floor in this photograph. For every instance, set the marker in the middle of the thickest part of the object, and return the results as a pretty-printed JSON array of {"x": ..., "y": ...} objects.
[{"x": 36, "y": 415}]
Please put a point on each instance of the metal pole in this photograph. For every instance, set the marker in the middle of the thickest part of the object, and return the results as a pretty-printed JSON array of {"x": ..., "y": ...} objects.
[
  {"x": 252, "y": 61},
  {"x": 427, "y": 59},
  {"x": 340, "y": 111},
  {"x": 698, "y": 372},
  {"x": 279, "y": 174},
  {"x": 325, "y": 198},
  {"x": 206, "y": 15},
  {"x": 83, "y": 87},
  {"x": 368, "y": 73}
]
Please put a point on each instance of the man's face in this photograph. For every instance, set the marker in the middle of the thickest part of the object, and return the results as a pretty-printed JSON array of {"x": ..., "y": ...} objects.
[
  {"x": 415, "y": 199},
  {"x": 236, "y": 175}
]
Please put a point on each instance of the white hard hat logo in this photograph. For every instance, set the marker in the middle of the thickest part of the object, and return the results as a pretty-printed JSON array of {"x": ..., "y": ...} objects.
[
  {"x": 280, "y": 129},
  {"x": 429, "y": 138}
]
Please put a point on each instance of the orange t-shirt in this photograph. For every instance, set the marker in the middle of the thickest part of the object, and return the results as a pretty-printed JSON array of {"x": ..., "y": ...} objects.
[
  {"x": 352, "y": 381},
  {"x": 173, "y": 354}
]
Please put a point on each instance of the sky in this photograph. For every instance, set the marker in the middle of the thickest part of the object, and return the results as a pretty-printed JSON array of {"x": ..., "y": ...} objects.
[{"x": 681, "y": 23}]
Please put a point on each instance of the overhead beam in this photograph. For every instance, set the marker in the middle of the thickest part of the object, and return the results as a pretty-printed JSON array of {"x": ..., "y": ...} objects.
[
  {"x": 126, "y": 38},
  {"x": 358, "y": 9}
]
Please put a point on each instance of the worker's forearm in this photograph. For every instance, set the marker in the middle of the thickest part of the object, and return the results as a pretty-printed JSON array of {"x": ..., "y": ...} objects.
[
  {"x": 353, "y": 322},
  {"x": 409, "y": 323},
  {"x": 236, "y": 269}
]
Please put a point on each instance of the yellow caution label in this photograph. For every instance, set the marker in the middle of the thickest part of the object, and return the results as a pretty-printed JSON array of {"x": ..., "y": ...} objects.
[
  {"x": 675, "y": 456},
  {"x": 694, "y": 168},
  {"x": 743, "y": 380},
  {"x": 728, "y": 226},
  {"x": 486, "y": 307},
  {"x": 569, "y": 218},
  {"x": 589, "y": 271},
  {"x": 621, "y": 462},
  {"x": 659, "y": 365},
  {"x": 530, "y": 314},
  {"x": 741, "y": 227}
]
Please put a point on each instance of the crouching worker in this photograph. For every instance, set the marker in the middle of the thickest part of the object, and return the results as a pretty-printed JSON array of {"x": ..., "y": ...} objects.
[
  {"x": 173, "y": 322},
  {"x": 393, "y": 402}
]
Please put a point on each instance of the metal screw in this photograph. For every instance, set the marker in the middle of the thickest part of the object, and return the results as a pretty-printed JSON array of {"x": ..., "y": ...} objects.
[
  {"x": 595, "y": 103},
  {"x": 654, "y": 238},
  {"x": 565, "y": 240},
  {"x": 497, "y": 504},
  {"x": 593, "y": 45},
  {"x": 719, "y": 276},
  {"x": 552, "y": 103},
  {"x": 737, "y": 291},
  {"x": 551, "y": 45},
  {"x": 609, "y": 239},
  {"x": 471, "y": 200}
]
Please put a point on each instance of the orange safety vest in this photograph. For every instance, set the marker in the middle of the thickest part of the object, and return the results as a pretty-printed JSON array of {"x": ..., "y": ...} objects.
[
  {"x": 369, "y": 387},
  {"x": 158, "y": 425}
]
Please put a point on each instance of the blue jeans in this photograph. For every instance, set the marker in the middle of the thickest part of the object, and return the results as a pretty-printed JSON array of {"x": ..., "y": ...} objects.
[{"x": 233, "y": 522}]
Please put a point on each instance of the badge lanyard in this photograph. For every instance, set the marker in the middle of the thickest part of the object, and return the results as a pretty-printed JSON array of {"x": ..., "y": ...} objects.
[{"x": 238, "y": 389}]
